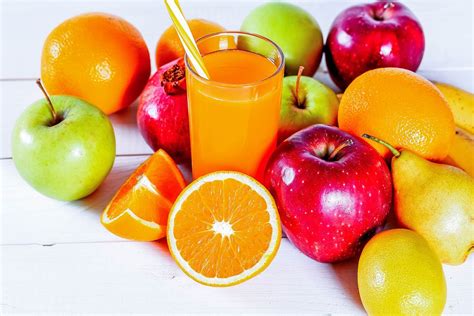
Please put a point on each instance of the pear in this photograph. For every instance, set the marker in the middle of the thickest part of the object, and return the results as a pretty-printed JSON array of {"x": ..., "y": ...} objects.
[{"x": 436, "y": 201}]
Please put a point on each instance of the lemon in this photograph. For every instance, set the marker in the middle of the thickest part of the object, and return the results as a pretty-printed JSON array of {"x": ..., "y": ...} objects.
[{"x": 399, "y": 274}]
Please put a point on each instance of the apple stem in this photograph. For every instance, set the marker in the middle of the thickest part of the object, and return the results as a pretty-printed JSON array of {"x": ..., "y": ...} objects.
[
  {"x": 380, "y": 15},
  {"x": 395, "y": 152},
  {"x": 297, "y": 87},
  {"x": 50, "y": 104},
  {"x": 348, "y": 142},
  {"x": 387, "y": 6}
]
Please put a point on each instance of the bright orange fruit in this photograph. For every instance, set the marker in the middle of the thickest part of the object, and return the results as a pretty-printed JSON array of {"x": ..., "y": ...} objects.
[
  {"x": 169, "y": 46},
  {"x": 223, "y": 229},
  {"x": 400, "y": 107},
  {"x": 97, "y": 57},
  {"x": 139, "y": 210}
]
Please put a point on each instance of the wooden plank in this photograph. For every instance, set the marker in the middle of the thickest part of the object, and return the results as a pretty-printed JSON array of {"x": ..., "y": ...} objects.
[
  {"x": 462, "y": 78},
  {"x": 142, "y": 278},
  {"x": 46, "y": 246},
  {"x": 17, "y": 95},
  {"x": 31, "y": 218},
  {"x": 26, "y": 24}
]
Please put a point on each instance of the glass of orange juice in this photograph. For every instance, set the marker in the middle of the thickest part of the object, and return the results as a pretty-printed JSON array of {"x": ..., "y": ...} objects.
[{"x": 234, "y": 115}]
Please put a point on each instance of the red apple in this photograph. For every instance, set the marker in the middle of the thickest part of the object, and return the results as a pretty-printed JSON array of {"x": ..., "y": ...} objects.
[
  {"x": 162, "y": 115},
  {"x": 375, "y": 35},
  {"x": 332, "y": 189}
]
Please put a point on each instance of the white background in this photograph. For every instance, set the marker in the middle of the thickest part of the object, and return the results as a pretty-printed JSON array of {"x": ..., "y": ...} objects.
[{"x": 57, "y": 258}]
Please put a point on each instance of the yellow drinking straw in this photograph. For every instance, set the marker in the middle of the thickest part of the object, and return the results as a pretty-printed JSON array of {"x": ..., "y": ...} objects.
[{"x": 186, "y": 37}]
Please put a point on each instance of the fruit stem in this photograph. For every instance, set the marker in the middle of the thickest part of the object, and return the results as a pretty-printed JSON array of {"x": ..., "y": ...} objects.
[
  {"x": 380, "y": 15},
  {"x": 50, "y": 104},
  {"x": 387, "y": 6},
  {"x": 297, "y": 87},
  {"x": 348, "y": 142},
  {"x": 395, "y": 152}
]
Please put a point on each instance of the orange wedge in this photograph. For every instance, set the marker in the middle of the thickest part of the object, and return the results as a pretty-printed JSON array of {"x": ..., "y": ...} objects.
[
  {"x": 224, "y": 229},
  {"x": 139, "y": 210}
]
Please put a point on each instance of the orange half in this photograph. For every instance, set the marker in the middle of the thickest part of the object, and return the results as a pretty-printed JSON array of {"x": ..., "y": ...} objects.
[
  {"x": 139, "y": 210},
  {"x": 224, "y": 229}
]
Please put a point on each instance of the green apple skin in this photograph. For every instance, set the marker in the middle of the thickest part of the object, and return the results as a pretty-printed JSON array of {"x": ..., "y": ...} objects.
[
  {"x": 69, "y": 160},
  {"x": 318, "y": 104},
  {"x": 293, "y": 29}
]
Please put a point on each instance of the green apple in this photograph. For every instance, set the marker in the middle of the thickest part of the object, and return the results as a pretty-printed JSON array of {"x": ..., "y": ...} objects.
[
  {"x": 63, "y": 147},
  {"x": 305, "y": 101},
  {"x": 293, "y": 29}
]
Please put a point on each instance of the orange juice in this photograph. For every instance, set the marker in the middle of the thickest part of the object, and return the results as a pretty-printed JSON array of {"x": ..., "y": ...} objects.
[
  {"x": 238, "y": 66},
  {"x": 234, "y": 116}
]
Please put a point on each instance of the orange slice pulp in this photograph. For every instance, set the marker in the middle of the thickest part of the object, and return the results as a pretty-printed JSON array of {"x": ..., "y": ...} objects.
[
  {"x": 139, "y": 210},
  {"x": 224, "y": 229}
]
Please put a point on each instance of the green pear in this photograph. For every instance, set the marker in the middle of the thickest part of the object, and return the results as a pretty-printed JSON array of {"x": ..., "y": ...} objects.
[{"x": 435, "y": 200}]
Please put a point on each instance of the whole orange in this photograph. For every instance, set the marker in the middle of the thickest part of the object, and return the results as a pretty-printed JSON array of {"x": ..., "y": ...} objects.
[
  {"x": 400, "y": 107},
  {"x": 169, "y": 46},
  {"x": 97, "y": 57}
]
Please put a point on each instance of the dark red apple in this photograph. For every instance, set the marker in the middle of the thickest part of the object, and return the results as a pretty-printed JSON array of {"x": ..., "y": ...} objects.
[
  {"x": 375, "y": 35},
  {"x": 332, "y": 189},
  {"x": 162, "y": 115}
]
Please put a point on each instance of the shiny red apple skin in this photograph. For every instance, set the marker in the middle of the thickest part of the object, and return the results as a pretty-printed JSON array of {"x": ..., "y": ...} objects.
[
  {"x": 163, "y": 117},
  {"x": 329, "y": 209},
  {"x": 369, "y": 36}
]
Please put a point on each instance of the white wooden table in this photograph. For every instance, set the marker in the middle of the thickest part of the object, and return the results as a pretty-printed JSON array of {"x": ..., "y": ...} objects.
[{"x": 57, "y": 258}]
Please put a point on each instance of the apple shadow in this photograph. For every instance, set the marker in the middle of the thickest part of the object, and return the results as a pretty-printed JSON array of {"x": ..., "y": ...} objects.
[
  {"x": 99, "y": 199},
  {"x": 346, "y": 273},
  {"x": 186, "y": 171},
  {"x": 126, "y": 117}
]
